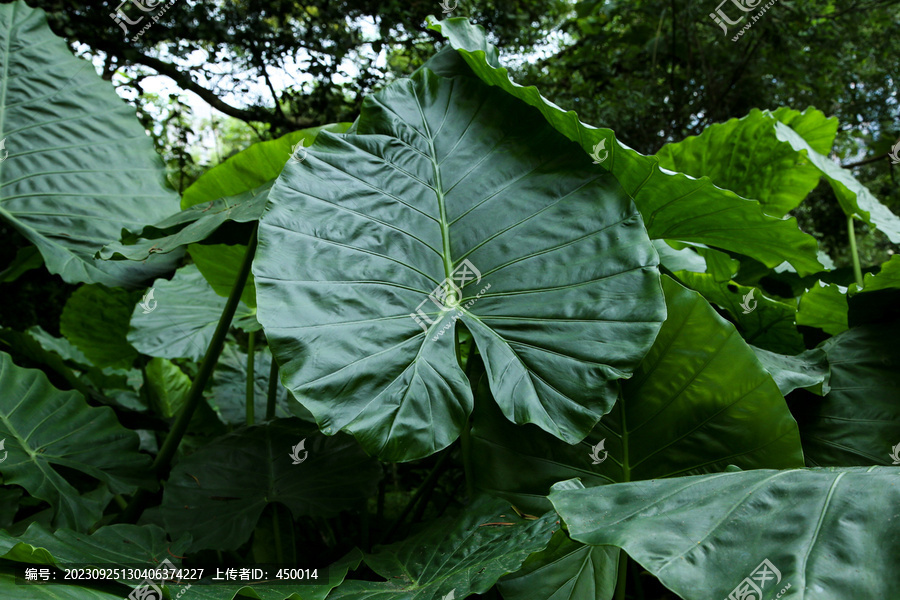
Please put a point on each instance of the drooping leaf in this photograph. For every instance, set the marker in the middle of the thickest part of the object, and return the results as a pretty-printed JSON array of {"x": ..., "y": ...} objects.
[
  {"x": 257, "y": 165},
  {"x": 191, "y": 225},
  {"x": 824, "y": 306},
  {"x": 828, "y": 532},
  {"x": 80, "y": 166},
  {"x": 806, "y": 370},
  {"x": 565, "y": 570},
  {"x": 448, "y": 178},
  {"x": 674, "y": 206},
  {"x": 95, "y": 319},
  {"x": 454, "y": 557},
  {"x": 761, "y": 320},
  {"x": 858, "y": 422},
  {"x": 218, "y": 493},
  {"x": 853, "y": 196},
  {"x": 45, "y": 427},
  {"x": 698, "y": 402},
  {"x": 219, "y": 264},
  {"x": 181, "y": 320},
  {"x": 745, "y": 156}
]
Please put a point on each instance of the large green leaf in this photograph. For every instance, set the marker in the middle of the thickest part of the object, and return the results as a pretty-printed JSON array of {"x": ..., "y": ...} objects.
[
  {"x": 745, "y": 156},
  {"x": 180, "y": 320},
  {"x": 45, "y": 428},
  {"x": 95, "y": 319},
  {"x": 444, "y": 178},
  {"x": 168, "y": 387},
  {"x": 80, "y": 165},
  {"x": 218, "y": 493},
  {"x": 858, "y": 422},
  {"x": 887, "y": 278},
  {"x": 853, "y": 196},
  {"x": 698, "y": 402},
  {"x": 761, "y": 320},
  {"x": 674, "y": 206},
  {"x": 830, "y": 533},
  {"x": 564, "y": 570},
  {"x": 453, "y": 557},
  {"x": 253, "y": 167}
]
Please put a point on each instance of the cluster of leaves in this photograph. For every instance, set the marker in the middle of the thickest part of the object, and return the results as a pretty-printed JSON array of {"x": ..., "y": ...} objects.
[{"x": 467, "y": 277}]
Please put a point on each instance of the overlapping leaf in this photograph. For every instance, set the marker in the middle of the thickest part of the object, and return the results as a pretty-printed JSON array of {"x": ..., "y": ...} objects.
[
  {"x": 80, "y": 166},
  {"x": 449, "y": 178}
]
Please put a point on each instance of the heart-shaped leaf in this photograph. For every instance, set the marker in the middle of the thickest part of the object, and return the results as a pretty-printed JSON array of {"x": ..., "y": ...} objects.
[{"x": 452, "y": 201}]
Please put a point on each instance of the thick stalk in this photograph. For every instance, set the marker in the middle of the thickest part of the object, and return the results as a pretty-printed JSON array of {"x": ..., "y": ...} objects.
[
  {"x": 164, "y": 459},
  {"x": 273, "y": 390},
  {"x": 251, "y": 355},
  {"x": 854, "y": 254},
  {"x": 622, "y": 576},
  {"x": 465, "y": 438}
]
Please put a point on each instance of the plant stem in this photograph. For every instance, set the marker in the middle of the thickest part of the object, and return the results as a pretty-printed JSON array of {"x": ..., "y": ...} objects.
[
  {"x": 430, "y": 480},
  {"x": 276, "y": 528},
  {"x": 465, "y": 437},
  {"x": 251, "y": 355},
  {"x": 273, "y": 389},
  {"x": 854, "y": 254},
  {"x": 622, "y": 576},
  {"x": 163, "y": 460}
]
